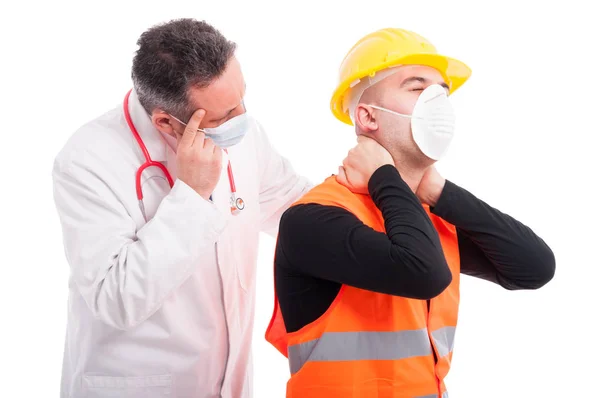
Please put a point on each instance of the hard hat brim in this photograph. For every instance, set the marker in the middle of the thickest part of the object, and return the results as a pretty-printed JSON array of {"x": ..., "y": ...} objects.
[{"x": 454, "y": 72}]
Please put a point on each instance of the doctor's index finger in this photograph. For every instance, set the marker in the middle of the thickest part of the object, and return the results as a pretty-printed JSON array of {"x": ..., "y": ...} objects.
[{"x": 191, "y": 129}]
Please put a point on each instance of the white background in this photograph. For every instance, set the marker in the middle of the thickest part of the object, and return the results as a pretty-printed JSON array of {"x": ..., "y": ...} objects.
[{"x": 526, "y": 140}]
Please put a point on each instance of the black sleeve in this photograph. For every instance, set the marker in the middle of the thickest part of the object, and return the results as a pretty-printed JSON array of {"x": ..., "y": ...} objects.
[
  {"x": 494, "y": 246},
  {"x": 332, "y": 244}
]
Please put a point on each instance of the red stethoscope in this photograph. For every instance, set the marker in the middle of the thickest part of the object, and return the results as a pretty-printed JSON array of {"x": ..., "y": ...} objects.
[{"x": 235, "y": 203}]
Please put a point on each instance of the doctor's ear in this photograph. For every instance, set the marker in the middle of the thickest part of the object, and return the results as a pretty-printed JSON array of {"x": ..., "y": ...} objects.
[
  {"x": 365, "y": 119},
  {"x": 164, "y": 122}
]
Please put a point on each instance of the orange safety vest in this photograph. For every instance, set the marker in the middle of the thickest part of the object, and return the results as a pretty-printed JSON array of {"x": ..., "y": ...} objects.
[{"x": 370, "y": 344}]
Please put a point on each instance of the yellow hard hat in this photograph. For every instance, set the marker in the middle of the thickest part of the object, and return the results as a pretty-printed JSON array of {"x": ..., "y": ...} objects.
[{"x": 386, "y": 48}]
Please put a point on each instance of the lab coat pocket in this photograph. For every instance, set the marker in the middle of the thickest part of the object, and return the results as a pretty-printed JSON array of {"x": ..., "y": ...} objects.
[{"x": 156, "y": 386}]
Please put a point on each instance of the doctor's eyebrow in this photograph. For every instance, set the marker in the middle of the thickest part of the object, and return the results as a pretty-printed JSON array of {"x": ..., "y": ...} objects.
[
  {"x": 419, "y": 79},
  {"x": 224, "y": 116}
]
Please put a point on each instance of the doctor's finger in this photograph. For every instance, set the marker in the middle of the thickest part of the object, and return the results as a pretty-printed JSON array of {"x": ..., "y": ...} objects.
[
  {"x": 207, "y": 144},
  {"x": 191, "y": 130}
]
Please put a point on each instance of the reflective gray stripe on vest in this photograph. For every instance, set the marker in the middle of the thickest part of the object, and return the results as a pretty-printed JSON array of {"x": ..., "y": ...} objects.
[
  {"x": 444, "y": 340},
  {"x": 356, "y": 346},
  {"x": 444, "y": 395}
]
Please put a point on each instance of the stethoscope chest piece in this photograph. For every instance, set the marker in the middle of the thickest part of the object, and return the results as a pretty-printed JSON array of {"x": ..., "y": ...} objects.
[{"x": 236, "y": 204}]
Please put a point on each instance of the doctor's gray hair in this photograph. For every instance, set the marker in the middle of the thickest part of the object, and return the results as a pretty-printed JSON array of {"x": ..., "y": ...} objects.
[{"x": 174, "y": 57}]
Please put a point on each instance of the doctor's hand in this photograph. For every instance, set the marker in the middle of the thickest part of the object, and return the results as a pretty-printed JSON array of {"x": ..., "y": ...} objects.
[
  {"x": 198, "y": 158},
  {"x": 360, "y": 164}
]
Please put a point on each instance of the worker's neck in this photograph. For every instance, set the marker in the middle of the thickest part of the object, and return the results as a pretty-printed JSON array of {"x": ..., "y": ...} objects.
[{"x": 411, "y": 175}]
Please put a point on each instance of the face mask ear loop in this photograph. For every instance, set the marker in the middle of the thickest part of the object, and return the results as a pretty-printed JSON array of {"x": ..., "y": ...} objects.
[
  {"x": 199, "y": 130},
  {"x": 177, "y": 119},
  {"x": 390, "y": 111}
]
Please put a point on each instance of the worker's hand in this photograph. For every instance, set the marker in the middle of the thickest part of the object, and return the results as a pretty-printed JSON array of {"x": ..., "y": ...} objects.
[
  {"x": 360, "y": 164},
  {"x": 198, "y": 158},
  {"x": 431, "y": 186}
]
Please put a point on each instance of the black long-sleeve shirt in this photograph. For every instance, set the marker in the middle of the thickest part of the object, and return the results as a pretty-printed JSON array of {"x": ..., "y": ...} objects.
[{"x": 320, "y": 247}]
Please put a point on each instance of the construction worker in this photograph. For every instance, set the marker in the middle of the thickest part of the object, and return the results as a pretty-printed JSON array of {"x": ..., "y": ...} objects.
[{"x": 368, "y": 263}]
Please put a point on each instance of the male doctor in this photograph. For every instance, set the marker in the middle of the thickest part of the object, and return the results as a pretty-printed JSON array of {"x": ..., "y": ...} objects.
[{"x": 161, "y": 202}]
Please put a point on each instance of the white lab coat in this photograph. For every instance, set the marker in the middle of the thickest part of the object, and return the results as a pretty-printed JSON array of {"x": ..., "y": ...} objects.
[{"x": 164, "y": 308}]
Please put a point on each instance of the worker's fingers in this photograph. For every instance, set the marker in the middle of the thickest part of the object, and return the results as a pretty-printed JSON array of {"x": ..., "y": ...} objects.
[
  {"x": 362, "y": 139},
  {"x": 191, "y": 130},
  {"x": 341, "y": 176},
  {"x": 345, "y": 162},
  {"x": 350, "y": 159}
]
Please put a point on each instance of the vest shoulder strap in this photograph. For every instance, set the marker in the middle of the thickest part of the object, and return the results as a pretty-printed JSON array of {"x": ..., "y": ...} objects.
[{"x": 332, "y": 193}]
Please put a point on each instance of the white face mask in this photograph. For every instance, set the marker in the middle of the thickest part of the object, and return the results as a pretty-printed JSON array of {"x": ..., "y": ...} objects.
[
  {"x": 229, "y": 133},
  {"x": 432, "y": 121}
]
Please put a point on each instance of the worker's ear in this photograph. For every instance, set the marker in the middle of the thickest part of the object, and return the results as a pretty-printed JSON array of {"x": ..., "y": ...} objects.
[
  {"x": 165, "y": 123},
  {"x": 365, "y": 119}
]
